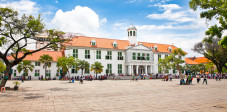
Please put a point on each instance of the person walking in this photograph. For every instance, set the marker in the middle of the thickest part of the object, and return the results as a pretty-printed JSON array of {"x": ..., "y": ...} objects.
[
  {"x": 205, "y": 79},
  {"x": 198, "y": 78}
]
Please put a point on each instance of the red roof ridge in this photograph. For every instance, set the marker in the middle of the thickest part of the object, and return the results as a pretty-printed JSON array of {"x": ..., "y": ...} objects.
[
  {"x": 157, "y": 43},
  {"x": 99, "y": 38}
]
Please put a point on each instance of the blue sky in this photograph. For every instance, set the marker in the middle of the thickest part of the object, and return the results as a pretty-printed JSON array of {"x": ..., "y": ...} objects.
[{"x": 157, "y": 21}]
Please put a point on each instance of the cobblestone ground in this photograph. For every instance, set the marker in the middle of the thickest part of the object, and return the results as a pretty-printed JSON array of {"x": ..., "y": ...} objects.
[{"x": 117, "y": 95}]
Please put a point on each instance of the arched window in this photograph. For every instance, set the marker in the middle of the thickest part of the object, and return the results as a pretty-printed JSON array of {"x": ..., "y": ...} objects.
[
  {"x": 134, "y": 33},
  {"x": 115, "y": 44},
  {"x": 130, "y": 33},
  {"x": 93, "y": 42}
]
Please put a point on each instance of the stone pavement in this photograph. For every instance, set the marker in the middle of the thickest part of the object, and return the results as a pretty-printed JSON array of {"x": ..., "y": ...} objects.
[{"x": 115, "y": 95}]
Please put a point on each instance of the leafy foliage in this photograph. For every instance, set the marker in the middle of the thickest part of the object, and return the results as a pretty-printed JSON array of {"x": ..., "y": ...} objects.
[
  {"x": 97, "y": 67},
  {"x": 164, "y": 64},
  {"x": 46, "y": 60},
  {"x": 2, "y": 67},
  {"x": 65, "y": 63},
  {"x": 82, "y": 64},
  {"x": 25, "y": 66},
  {"x": 214, "y": 52},
  {"x": 214, "y": 9}
]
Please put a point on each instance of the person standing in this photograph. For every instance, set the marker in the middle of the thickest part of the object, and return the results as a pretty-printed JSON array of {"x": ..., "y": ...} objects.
[
  {"x": 205, "y": 79},
  {"x": 170, "y": 78}
]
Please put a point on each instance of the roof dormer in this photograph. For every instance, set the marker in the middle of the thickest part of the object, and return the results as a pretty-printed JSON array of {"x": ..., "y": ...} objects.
[
  {"x": 93, "y": 42},
  {"x": 170, "y": 48},
  {"x": 156, "y": 47},
  {"x": 114, "y": 44}
]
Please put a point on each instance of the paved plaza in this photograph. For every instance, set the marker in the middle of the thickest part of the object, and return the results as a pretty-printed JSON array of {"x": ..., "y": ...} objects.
[{"x": 115, "y": 95}]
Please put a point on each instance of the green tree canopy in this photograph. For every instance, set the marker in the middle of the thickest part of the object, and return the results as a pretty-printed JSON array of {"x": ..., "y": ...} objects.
[
  {"x": 65, "y": 63},
  {"x": 97, "y": 67},
  {"x": 214, "y": 9},
  {"x": 214, "y": 52},
  {"x": 17, "y": 32},
  {"x": 2, "y": 67},
  {"x": 46, "y": 60},
  {"x": 164, "y": 65},
  {"x": 25, "y": 66},
  {"x": 82, "y": 64},
  {"x": 176, "y": 61}
]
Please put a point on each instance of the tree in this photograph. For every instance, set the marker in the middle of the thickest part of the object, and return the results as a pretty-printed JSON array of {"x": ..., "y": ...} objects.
[
  {"x": 213, "y": 9},
  {"x": 2, "y": 67},
  {"x": 97, "y": 67},
  {"x": 176, "y": 61},
  {"x": 17, "y": 32},
  {"x": 46, "y": 60},
  {"x": 82, "y": 64},
  {"x": 26, "y": 66},
  {"x": 164, "y": 65},
  {"x": 214, "y": 52},
  {"x": 65, "y": 63}
]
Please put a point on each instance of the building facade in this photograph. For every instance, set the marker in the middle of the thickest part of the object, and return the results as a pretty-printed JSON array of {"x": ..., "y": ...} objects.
[{"x": 119, "y": 57}]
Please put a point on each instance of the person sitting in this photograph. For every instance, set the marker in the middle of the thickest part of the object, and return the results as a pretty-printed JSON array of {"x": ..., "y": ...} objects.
[{"x": 182, "y": 82}]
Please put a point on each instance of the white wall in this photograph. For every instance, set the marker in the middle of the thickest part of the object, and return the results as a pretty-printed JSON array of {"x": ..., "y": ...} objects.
[{"x": 92, "y": 60}]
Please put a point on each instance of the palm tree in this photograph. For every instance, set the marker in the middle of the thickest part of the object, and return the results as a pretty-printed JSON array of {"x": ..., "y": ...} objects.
[
  {"x": 97, "y": 67},
  {"x": 26, "y": 66},
  {"x": 46, "y": 60},
  {"x": 176, "y": 60},
  {"x": 82, "y": 64}
]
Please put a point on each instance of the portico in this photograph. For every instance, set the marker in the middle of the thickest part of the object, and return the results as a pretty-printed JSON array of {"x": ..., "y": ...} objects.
[{"x": 135, "y": 69}]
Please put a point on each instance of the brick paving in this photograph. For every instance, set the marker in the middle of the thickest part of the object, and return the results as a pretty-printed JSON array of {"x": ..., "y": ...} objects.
[{"x": 115, "y": 95}]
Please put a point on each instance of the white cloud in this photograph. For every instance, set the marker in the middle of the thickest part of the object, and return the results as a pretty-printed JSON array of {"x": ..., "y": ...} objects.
[
  {"x": 23, "y": 6},
  {"x": 131, "y": 1},
  {"x": 56, "y": 1},
  {"x": 103, "y": 21},
  {"x": 170, "y": 14},
  {"x": 79, "y": 20}
]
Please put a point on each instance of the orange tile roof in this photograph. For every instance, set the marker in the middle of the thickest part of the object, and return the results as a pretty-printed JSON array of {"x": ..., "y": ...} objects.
[
  {"x": 190, "y": 62},
  {"x": 201, "y": 60},
  {"x": 100, "y": 42},
  {"x": 36, "y": 56},
  {"x": 108, "y": 43},
  {"x": 160, "y": 47}
]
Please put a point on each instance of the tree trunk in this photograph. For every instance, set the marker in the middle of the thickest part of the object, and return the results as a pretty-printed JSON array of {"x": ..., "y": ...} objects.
[
  {"x": 3, "y": 83},
  {"x": 45, "y": 73},
  {"x": 69, "y": 76},
  {"x": 180, "y": 74}
]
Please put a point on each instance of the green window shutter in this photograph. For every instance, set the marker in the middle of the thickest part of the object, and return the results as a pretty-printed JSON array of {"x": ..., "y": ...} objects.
[
  {"x": 148, "y": 56},
  {"x": 174, "y": 71}
]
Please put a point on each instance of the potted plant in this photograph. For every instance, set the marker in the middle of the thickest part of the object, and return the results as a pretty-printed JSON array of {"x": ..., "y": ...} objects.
[{"x": 16, "y": 85}]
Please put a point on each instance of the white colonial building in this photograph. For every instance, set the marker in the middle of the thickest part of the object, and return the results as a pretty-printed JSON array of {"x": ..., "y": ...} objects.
[
  {"x": 127, "y": 57},
  {"x": 119, "y": 57}
]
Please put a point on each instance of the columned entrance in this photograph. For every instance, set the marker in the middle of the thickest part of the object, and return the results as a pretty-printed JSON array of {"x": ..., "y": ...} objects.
[{"x": 141, "y": 70}]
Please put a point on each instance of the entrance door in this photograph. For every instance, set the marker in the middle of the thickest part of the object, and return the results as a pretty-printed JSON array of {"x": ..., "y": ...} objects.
[{"x": 141, "y": 70}]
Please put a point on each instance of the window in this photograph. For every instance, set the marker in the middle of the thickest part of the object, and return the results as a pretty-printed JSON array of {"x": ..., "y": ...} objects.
[
  {"x": 93, "y": 43},
  {"x": 37, "y": 72},
  {"x": 25, "y": 74},
  {"x": 130, "y": 33},
  {"x": 166, "y": 55},
  {"x": 87, "y": 70},
  {"x": 109, "y": 55},
  {"x": 170, "y": 50},
  {"x": 15, "y": 72},
  {"x": 138, "y": 56},
  {"x": 109, "y": 68},
  {"x": 134, "y": 33},
  {"x": 159, "y": 56},
  {"x": 143, "y": 57},
  {"x": 134, "y": 56},
  {"x": 119, "y": 68},
  {"x": 87, "y": 54},
  {"x": 174, "y": 71},
  {"x": 48, "y": 73},
  {"x": 98, "y": 54},
  {"x": 75, "y": 53},
  {"x": 114, "y": 45},
  {"x": 155, "y": 47},
  {"x": 159, "y": 69},
  {"x": 37, "y": 63},
  {"x": 148, "y": 56},
  {"x": 120, "y": 57},
  {"x": 182, "y": 71},
  {"x": 73, "y": 70}
]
